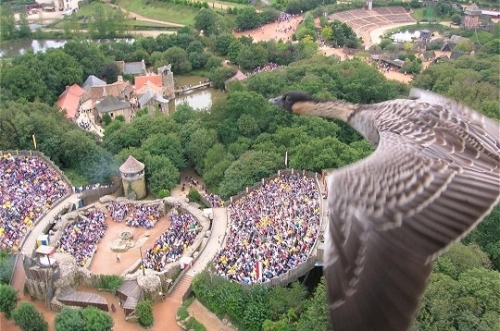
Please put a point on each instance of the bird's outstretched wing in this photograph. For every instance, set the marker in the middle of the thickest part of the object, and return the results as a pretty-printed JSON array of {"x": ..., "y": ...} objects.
[
  {"x": 391, "y": 214},
  {"x": 475, "y": 123}
]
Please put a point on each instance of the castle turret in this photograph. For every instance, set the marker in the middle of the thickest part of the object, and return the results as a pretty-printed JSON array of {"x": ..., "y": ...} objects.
[
  {"x": 134, "y": 182},
  {"x": 167, "y": 78}
]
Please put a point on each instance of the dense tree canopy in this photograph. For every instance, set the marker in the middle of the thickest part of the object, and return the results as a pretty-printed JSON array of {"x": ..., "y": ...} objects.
[{"x": 28, "y": 318}]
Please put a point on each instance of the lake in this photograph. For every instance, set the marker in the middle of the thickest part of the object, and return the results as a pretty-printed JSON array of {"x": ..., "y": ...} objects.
[
  {"x": 13, "y": 48},
  {"x": 201, "y": 99}
]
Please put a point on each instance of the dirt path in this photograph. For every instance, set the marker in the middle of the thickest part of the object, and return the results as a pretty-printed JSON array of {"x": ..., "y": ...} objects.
[
  {"x": 276, "y": 31},
  {"x": 209, "y": 320}
]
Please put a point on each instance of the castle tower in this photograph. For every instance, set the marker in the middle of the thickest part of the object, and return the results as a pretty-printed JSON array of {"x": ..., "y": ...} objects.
[
  {"x": 133, "y": 180},
  {"x": 471, "y": 19},
  {"x": 167, "y": 78}
]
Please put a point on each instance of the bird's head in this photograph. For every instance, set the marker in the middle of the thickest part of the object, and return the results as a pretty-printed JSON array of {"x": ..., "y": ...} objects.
[{"x": 293, "y": 101}]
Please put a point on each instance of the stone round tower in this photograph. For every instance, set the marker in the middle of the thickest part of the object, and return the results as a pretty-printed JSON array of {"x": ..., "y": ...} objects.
[{"x": 134, "y": 183}]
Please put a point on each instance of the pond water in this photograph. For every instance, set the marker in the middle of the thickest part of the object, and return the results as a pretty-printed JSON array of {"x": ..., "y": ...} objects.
[
  {"x": 201, "y": 99},
  {"x": 405, "y": 36},
  {"x": 13, "y": 48}
]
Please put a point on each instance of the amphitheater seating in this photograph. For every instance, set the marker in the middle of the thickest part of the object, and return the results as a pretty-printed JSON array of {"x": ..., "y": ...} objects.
[{"x": 363, "y": 21}]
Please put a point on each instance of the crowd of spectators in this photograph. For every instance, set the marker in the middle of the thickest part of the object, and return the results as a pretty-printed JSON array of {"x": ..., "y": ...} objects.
[
  {"x": 214, "y": 199},
  {"x": 81, "y": 237},
  {"x": 174, "y": 242},
  {"x": 270, "y": 66},
  {"x": 273, "y": 227},
  {"x": 85, "y": 125},
  {"x": 28, "y": 187},
  {"x": 144, "y": 216},
  {"x": 285, "y": 17},
  {"x": 118, "y": 211}
]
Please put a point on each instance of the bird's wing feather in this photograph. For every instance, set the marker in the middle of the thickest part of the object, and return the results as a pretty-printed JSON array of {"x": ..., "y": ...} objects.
[
  {"x": 394, "y": 212},
  {"x": 482, "y": 127}
]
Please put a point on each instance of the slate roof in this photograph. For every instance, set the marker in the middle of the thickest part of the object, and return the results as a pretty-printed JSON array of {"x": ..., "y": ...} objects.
[
  {"x": 70, "y": 100},
  {"x": 117, "y": 89},
  {"x": 456, "y": 39},
  {"x": 111, "y": 103},
  {"x": 93, "y": 81},
  {"x": 134, "y": 68},
  {"x": 131, "y": 166},
  {"x": 151, "y": 96}
]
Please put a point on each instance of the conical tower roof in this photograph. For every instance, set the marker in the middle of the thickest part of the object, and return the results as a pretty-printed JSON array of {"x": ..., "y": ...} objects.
[{"x": 131, "y": 166}]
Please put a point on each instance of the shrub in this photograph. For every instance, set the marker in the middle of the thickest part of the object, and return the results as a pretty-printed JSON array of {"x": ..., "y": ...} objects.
[
  {"x": 182, "y": 313},
  {"x": 144, "y": 312},
  {"x": 110, "y": 282},
  {"x": 193, "y": 324},
  {"x": 194, "y": 195},
  {"x": 8, "y": 299}
]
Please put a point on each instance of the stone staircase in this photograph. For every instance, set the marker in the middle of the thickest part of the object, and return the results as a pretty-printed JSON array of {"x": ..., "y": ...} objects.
[{"x": 180, "y": 288}]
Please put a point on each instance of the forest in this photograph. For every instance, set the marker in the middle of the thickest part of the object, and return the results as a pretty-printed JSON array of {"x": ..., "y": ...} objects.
[{"x": 243, "y": 139}]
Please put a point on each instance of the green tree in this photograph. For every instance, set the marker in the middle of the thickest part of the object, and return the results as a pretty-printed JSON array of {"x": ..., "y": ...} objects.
[
  {"x": 456, "y": 19},
  {"x": 248, "y": 126},
  {"x": 161, "y": 173},
  {"x": 252, "y": 57},
  {"x": 223, "y": 42},
  {"x": 69, "y": 319},
  {"x": 487, "y": 236},
  {"x": 96, "y": 320},
  {"x": 218, "y": 76},
  {"x": 23, "y": 31},
  {"x": 327, "y": 33},
  {"x": 178, "y": 57},
  {"x": 28, "y": 318},
  {"x": 168, "y": 145},
  {"x": 206, "y": 20},
  {"x": 250, "y": 168},
  {"x": 7, "y": 22},
  {"x": 6, "y": 266},
  {"x": 8, "y": 299},
  {"x": 247, "y": 19},
  {"x": 315, "y": 318},
  {"x": 198, "y": 145},
  {"x": 144, "y": 312},
  {"x": 464, "y": 46}
]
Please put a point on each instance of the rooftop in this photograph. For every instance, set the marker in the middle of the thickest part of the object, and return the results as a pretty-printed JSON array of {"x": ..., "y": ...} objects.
[{"x": 131, "y": 166}]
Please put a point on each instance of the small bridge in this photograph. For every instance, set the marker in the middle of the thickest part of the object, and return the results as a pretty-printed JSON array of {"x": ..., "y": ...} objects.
[{"x": 190, "y": 88}]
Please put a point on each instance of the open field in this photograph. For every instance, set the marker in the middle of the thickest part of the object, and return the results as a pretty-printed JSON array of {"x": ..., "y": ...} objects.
[{"x": 167, "y": 12}]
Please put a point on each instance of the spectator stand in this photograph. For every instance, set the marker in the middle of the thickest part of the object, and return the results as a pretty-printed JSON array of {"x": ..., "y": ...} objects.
[
  {"x": 31, "y": 185},
  {"x": 263, "y": 246},
  {"x": 81, "y": 234},
  {"x": 174, "y": 242}
]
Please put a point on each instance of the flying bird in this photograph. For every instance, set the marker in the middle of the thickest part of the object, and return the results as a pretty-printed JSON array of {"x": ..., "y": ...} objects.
[{"x": 435, "y": 174}]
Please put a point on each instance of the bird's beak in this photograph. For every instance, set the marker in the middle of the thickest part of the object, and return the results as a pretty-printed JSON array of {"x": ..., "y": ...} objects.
[{"x": 278, "y": 101}]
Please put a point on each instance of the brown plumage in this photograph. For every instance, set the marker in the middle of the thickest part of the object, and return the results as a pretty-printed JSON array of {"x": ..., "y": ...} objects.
[{"x": 434, "y": 176}]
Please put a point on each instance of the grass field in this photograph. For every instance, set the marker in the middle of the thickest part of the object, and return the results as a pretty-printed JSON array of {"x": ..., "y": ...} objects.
[
  {"x": 162, "y": 11},
  {"x": 211, "y": 4},
  {"x": 419, "y": 14}
]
